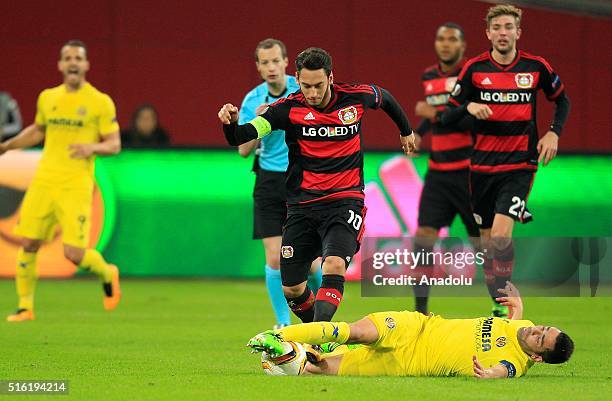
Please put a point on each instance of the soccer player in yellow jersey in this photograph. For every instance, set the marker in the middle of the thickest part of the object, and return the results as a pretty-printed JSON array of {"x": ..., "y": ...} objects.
[
  {"x": 77, "y": 122},
  {"x": 412, "y": 344}
]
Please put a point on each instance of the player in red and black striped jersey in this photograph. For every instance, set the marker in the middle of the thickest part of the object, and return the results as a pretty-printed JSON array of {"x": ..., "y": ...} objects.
[
  {"x": 445, "y": 192},
  {"x": 499, "y": 88},
  {"x": 322, "y": 124}
]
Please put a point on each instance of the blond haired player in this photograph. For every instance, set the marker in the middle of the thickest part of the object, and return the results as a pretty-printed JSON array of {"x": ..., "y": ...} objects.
[
  {"x": 412, "y": 344},
  {"x": 77, "y": 122}
]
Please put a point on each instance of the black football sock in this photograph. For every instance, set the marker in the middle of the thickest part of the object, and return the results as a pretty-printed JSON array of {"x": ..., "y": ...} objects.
[
  {"x": 328, "y": 297},
  {"x": 303, "y": 306}
]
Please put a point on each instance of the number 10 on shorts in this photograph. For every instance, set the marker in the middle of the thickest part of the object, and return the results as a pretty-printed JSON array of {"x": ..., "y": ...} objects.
[{"x": 356, "y": 220}]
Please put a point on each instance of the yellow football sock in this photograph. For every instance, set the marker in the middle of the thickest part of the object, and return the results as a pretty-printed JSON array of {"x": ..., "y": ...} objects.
[
  {"x": 25, "y": 278},
  {"x": 317, "y": 332},
  {"x": 94, "y": 262}
]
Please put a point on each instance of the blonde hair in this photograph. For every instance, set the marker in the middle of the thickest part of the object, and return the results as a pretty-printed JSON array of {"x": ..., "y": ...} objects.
[{"x": 504, "y": 9}]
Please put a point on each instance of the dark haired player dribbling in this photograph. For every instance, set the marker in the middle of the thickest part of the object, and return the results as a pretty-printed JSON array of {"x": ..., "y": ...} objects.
[
  {"x": 325, "y": 198},
  {"x": 499, "y": 88}
]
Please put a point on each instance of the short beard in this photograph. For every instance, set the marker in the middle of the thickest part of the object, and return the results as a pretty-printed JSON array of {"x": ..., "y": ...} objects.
[
  {"x": 323, "y": 97},
  {"x": 452, "y": 61}
]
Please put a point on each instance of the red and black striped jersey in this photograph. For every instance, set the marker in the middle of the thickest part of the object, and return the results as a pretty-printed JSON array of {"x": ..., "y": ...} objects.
[
  {"x": 325, "y": 154},
  {"x": 508, "y": 139},
  {"x": 450, "y": 147}
]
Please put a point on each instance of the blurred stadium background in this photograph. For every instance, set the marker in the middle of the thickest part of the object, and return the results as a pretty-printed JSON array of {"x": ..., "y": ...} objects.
[{"x": 187, "y": 211}]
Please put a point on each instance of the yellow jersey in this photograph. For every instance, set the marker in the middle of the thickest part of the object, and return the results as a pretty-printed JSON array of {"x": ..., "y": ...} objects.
[
  {"x": 446, "y": 346},
  {"x": 79, "y": 117}
]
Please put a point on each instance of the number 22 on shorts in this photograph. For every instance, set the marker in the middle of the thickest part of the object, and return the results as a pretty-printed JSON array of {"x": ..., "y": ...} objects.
[{"x": 518, "y": 207}]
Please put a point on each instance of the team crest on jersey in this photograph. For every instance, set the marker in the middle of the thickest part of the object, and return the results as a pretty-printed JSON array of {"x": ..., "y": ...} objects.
[
  {"x": 287, "y": 251},
  {"x": 82, "y": 111},
  {"x": 500, "y": 342},
  {"x": 348, "y": 115},
  {"x": 449, "y": 85},
  {"x": 390, "y": 322},
  {"x": 524, "y": 80}
]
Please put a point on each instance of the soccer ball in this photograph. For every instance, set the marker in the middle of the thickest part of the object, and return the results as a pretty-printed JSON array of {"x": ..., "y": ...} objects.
[{"x": 291, "y": 363}]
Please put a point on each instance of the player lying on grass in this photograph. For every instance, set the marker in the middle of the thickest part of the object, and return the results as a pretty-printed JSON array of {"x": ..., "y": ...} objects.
[{"x": 412, "y": 344}]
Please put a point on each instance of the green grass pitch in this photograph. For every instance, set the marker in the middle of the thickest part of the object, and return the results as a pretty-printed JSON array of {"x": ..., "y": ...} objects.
[{"x": 184, "y": 340}]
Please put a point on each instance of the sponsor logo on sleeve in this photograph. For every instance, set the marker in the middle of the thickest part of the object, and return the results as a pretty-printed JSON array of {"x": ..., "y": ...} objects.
[
  {"x": 456, "y": 90},
  {"x": 450, "y": 83},
  {"x": 390, "y": 322}
]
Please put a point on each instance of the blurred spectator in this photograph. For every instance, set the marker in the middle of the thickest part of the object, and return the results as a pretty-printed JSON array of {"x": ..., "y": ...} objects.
[
  {"x": 145, "y": 131},
  {"x": 10, "y": 117}
]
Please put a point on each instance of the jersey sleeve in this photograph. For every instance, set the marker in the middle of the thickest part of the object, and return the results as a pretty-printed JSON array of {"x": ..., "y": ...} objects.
[
  {"x": 464, "y": 88},
  {"x": 247, "y": 109},
  {"x": 107, "y": 124},
  {"x": 515, "y": 367},
  {"x": 550, "y": 83},
  {"x": 371, "y": 96},
  {"x": 277, "y": 115},
  {"x": 41, "y": 118}
]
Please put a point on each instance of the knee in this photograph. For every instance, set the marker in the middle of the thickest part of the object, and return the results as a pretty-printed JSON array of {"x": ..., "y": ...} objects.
[
  {"x": 273, "y": 260},
  {"x": 31, "y": 245},
  {"x": 334, "y": 265},
  {"x": 294, "y": 291},
  {"x": 500, "y": 242},
  {"x": 75, "y": 255}
]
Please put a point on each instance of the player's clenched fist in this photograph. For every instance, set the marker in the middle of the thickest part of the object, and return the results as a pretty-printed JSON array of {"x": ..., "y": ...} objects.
[
  {"x": 408, "y": 143},
  {"x": 228, "y": 113},
  {"x": 479, "y": 110}
]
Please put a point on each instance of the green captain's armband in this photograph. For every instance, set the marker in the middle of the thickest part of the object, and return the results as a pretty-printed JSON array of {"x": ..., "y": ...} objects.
[{"x": 262, "y": 126}]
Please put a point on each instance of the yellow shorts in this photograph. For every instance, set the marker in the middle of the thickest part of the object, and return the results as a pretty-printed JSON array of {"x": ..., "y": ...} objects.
[
  {"x": 44, "y": 206},
  {"x": 398, "y": 333}
]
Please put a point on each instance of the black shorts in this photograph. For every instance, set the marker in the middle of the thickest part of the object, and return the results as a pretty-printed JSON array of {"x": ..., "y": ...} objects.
[
  {"x": 446, "y": 194},
  {"x": 269, "y": 204},
  {"x": 502, "y": 193},
  {"x": 327, "y": 229}
]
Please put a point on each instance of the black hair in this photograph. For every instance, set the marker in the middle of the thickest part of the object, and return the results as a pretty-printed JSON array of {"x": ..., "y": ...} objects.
[
  {"x": 564, "y": 347},
  {"x": 452, "y": 25},
  {"x": 314, "y": 58}
]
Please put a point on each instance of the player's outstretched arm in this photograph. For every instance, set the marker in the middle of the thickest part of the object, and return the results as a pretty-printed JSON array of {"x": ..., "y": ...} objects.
[
  {"x": 512, "y": 299},
  {"x": 397, "y": 114},
  {"x": 30, "y": 136},
  {"x": 498, "y": 371},
  {"x": 235, "y": 134}
]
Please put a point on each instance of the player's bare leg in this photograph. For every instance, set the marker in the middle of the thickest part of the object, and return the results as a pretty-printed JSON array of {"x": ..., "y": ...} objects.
[
  {"x": 425, "y": 239},
  {"x": 92, "y": 260},
  {"x": 25, "y": 280},
  {"x": 498, "y": 241}
]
